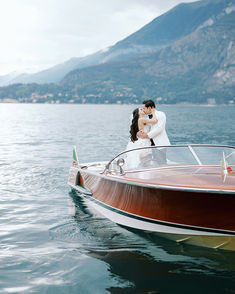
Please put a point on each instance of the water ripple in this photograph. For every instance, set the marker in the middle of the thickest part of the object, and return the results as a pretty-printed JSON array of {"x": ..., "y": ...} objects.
[{"x": 52, "y": 242}]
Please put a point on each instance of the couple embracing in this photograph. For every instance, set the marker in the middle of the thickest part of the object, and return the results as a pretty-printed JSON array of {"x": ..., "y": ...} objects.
[{"x": 148, "y": 128}]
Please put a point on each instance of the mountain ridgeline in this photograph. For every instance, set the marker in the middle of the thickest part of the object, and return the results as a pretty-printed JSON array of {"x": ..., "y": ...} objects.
[{"x": 186, "y": 55}]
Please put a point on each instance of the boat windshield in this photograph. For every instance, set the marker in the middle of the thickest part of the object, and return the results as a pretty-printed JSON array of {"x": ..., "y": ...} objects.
[{"x": 169, "y": 156}]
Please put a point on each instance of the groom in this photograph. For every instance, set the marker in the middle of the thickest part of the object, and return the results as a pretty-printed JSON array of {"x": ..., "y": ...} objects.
[{"x": 157, "y": 134}]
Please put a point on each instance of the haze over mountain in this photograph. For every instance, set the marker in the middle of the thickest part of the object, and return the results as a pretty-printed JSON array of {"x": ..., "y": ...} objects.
[
  {"x": 186, "y": 54},
  {"x": 162, "y": 31},
  {"x": 196, "y": 60}
]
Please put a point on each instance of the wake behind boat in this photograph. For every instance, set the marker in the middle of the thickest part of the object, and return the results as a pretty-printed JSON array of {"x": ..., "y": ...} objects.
[{"x": 184, "y": 192}]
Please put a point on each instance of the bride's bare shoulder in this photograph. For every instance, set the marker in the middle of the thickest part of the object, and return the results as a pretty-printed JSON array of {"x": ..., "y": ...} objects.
[{"x": 141, "y": 122}]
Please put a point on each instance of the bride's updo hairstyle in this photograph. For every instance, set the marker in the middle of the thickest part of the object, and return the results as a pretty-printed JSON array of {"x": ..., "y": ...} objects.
[{"x": 134, "y": 125}]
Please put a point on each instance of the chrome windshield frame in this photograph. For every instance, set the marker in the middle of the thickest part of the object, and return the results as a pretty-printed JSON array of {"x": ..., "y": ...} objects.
[{"x": 189, "y": 146}]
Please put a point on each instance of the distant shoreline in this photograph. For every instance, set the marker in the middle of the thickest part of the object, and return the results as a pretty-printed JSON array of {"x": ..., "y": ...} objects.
[{"x": 120, "y": 104}]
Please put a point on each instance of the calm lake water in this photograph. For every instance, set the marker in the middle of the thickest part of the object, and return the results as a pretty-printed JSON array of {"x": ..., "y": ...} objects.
[{"x": 50, "y": 242}]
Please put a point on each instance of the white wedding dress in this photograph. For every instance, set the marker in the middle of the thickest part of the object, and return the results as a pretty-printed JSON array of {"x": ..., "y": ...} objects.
[
  {"x": 133, "y": 158},
  {"x": 140, "y": 142}
]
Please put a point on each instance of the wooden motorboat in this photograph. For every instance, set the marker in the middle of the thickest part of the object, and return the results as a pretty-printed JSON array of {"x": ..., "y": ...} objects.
[{"x": 182, "y": 192}]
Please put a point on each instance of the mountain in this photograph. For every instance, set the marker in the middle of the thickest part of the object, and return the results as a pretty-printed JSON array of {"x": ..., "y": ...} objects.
[
  {"x": 6, "y": 79},
  {"x": 56, "y": 73},
  {"x": 198, "y": 67},
  {"x": 162, "y": 31},
  {"x": 174, "y": 25},
  {"x": 185, "y": 55}
]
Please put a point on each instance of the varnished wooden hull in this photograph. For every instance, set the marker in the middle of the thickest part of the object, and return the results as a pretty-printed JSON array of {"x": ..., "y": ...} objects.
[{"x": 195, "y": 216}]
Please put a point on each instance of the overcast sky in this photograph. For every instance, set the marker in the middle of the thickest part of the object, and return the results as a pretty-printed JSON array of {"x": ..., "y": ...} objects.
[{"x": 37, "y": 34}]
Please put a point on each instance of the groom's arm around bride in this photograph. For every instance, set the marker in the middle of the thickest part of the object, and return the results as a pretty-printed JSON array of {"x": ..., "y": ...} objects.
[
  {"x": 157, "y": 131},
  {"x": 157, "y": 134}
]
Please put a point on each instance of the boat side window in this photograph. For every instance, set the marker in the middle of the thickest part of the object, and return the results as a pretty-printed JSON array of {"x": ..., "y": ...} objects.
[
  {"x": 212, "y": 155},
  {"x": 168, "y": 156}
]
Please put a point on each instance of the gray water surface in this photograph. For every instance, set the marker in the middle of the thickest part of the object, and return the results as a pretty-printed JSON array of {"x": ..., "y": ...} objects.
[{"x": 51, "y": 242}]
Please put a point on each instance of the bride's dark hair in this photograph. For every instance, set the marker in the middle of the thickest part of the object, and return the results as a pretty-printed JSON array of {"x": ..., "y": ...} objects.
[{"x": 134, "y": 125}]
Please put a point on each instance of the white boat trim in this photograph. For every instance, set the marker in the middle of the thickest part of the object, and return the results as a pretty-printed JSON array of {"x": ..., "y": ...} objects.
[{"x": 143, "y": 223}]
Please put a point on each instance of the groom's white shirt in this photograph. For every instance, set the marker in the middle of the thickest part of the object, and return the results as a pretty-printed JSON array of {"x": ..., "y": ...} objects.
[{"x": 157, "y": 131}]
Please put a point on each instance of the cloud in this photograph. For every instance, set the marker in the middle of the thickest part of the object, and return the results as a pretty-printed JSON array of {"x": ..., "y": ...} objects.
[{"x": 41, "y": 33}]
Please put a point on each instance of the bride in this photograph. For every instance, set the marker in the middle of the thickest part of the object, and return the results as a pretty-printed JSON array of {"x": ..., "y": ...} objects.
[{"x": 139, "y": 123}]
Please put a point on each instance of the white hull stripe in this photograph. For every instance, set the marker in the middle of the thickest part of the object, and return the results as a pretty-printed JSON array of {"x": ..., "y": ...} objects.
[{"x": 188, "y": 228}]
